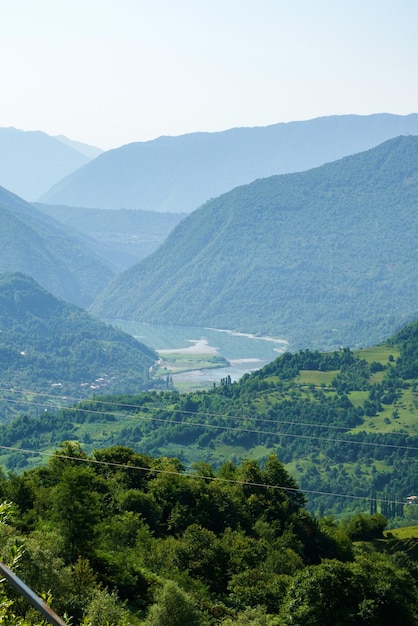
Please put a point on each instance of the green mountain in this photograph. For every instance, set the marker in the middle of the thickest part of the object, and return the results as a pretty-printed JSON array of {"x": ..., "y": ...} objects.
[
  {"x": 343, "y": 423},
  {"x": 122, "y": 237},
  {"x": 32, "y": 161},
  {"x": 321, "y": 258},
  {"x": 48, "y": 345},
  {"x": 58, "y": 258},
  {"x": 178, "y": 174}
]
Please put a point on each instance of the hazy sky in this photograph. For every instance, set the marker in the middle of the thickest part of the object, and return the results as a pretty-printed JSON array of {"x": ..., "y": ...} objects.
[{"x": 108, "y": 72}]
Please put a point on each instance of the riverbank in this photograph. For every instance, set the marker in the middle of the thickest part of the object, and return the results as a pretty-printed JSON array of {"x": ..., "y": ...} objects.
[{"x": 197, "y": 357}]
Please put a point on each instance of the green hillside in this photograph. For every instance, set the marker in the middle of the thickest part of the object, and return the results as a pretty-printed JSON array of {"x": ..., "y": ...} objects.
[
  {"x": 322, "y": 258},
  {"x": 53, "y": 347},
  {"x": 58, "y": 258},
  {"x": 344, "y": 424}
]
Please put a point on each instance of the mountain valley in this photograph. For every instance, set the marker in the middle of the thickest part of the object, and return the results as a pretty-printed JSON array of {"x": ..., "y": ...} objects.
[
  {"x": 261, "y": 500},
  {"x": 121, "y": 236},
  {"x": 324, "y": 259},
  {"x": 321, "y": 258}
]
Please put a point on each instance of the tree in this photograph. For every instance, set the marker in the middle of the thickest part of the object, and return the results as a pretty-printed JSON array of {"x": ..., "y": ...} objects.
[
  {"x": 173, "y": 607},
  {"x": 76, "y": 509},
  {"x": 258, "y": 588},
  {"x": 105, "y": 609},
  {"x": 363, "y": 527},
  {"x": 322, "y": 595},
  {"x": 370, "y": 591},
  {"x": 249, "y": 617},
  {"x": 202, "y": 555}
]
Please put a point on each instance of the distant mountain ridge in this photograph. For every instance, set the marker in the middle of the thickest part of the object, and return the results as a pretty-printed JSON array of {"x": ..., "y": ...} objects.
[
  {"x": 89, "y": 151},
  {"x": 55, "y": 256},
  {"x": 32, "y": 161},
  {"x": 178, "y": 174},
  {"x": 322, "y": 258}
]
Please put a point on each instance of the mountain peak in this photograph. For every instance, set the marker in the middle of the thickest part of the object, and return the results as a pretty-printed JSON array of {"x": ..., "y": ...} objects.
[{"x": 32, "y": 161}]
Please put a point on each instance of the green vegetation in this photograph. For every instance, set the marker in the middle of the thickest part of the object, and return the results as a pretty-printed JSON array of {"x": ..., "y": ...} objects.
[
  {"x": 119, "y": 538},
  {"x": 343, "y": 423},
  {"x": 282, "y": 499},
  {"x": 64, "y": 263},
  {"x": 171, "y": 363},
  {"x": 406, "y": 532},
  {"x": 50, "y": 346},
  {"x": 324, "y": 258}
]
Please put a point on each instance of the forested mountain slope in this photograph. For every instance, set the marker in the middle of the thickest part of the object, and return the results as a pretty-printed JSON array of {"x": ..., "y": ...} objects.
[
  {"x": 59, "y": 259},
  {"x": 50, "y": 346},
  {"x": 178, "y": 174},
  {"x": 122, "y": 236},
  {"x": 321, "y": 258},
  {"x": 32, "y": 161}
]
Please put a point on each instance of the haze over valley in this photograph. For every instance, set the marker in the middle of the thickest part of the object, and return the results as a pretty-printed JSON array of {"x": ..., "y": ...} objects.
[{"x": 304, "y": 257}]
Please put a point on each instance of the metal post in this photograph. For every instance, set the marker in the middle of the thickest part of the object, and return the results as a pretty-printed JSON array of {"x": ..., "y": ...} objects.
[{"x": 31, "y": 597}]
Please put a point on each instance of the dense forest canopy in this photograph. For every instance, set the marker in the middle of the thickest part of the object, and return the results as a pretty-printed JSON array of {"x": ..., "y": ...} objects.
[{"x": 122, "y": 538}]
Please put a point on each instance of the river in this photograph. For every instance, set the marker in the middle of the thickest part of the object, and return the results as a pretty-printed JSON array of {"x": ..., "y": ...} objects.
[{"x": 244, "y": 352}]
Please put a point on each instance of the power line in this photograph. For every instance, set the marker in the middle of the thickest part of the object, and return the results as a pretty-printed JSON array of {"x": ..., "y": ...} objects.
[
  {"x": 205, "y": 425},
  {"x": 182, "y": 411},
  {"x": 162, "y": 407},
  {"x": 229, "y": 428}
]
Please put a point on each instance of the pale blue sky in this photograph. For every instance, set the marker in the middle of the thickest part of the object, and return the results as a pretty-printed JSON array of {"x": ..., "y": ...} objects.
[{"x": 108, "y": 72}]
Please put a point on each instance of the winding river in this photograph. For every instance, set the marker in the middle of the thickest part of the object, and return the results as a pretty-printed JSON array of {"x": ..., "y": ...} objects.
[{"x": 244, "y": 352}]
